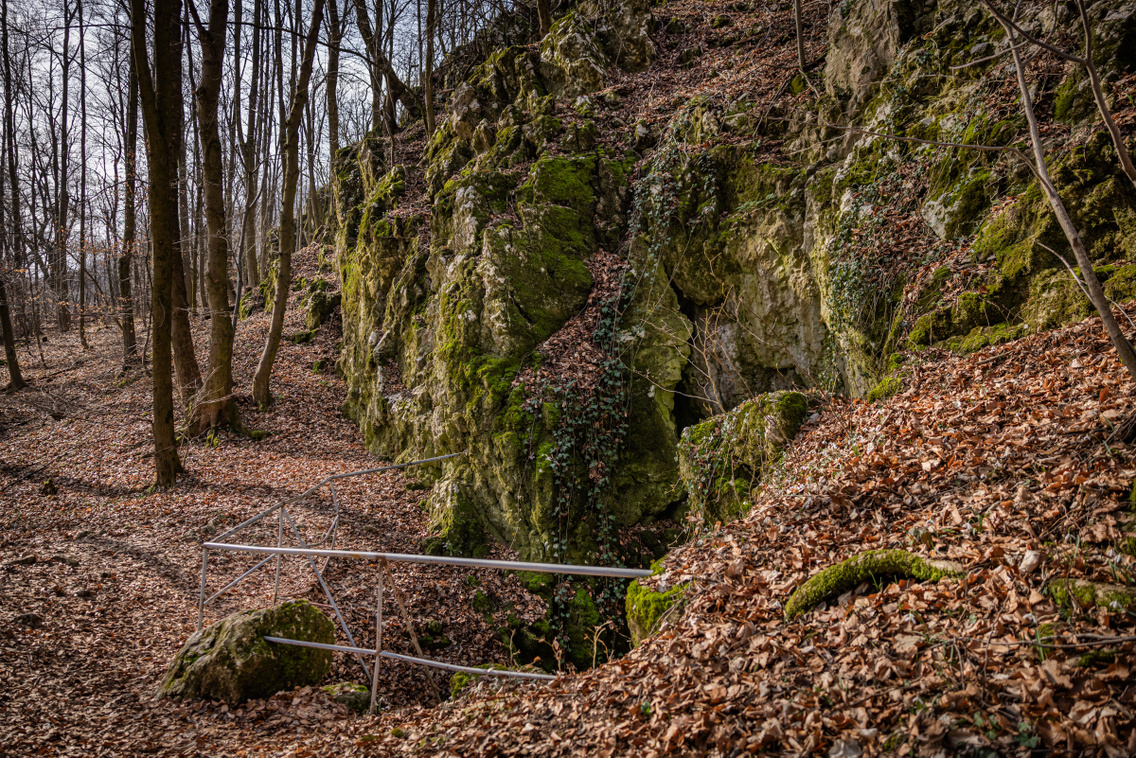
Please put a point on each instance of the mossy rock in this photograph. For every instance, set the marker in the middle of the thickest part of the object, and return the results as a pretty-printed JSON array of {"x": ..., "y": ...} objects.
[
  {"x": 231, "y": 661},
  {"x": 302, "y": 338},
  {"x": 1082, "y": 594},
  {"x": 645, "y": 608},
  {"x": 320, "y": 307},
  {"x": 871, "y": 566},
  {"x": 720, "y": 459},
  {"x": 356, "y": 697},
  {"x": 888, "y": 386}
]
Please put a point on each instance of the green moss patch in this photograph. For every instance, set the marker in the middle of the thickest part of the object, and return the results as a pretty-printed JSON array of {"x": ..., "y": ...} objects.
[
  {"x": 872, "y": 566},
  {"x": 720, "y": 459},
  {"x": 1082, "y": 594},
  {"x": 645, "y": 608}
]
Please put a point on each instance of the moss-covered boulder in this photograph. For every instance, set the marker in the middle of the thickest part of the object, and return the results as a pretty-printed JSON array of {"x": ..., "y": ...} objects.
[
  {"x": 721, "y": 459},
  {"x": 320, "y": 305},
  {"x": 869, "y": 567},
  {"x": 645, "y": 608},
  {"x": 231, "y": 661}
]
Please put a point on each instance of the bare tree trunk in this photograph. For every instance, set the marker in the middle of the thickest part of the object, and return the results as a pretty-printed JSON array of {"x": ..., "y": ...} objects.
[
  {"x": 17, "y": 224},
  {"x": 129, "y": 233},
  {"x": 428, "y": 64},
  {"x": 544, "y": 16},
  {"x": 289, "y": 137},
  {"x": 380, "y": 68},
  {"x": 15, "y": 378},
  {"x": 82, "y": 177},
  {"x": 334, "y": 38},
  {"x": 59, "y": 262},
  {"x": 217, "y": 406},
  {"x": 162, "y": 115},
  {"x": 800, "y": 35}
]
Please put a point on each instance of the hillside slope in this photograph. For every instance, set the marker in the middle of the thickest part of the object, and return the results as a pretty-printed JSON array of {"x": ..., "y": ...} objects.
[{"x": 1013, "y": 462}]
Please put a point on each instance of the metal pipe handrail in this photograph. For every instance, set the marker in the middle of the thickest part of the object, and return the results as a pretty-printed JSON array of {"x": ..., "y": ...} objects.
[
  {"x": 322, "y": 645},
  {"x": 310, "y": 553},
  {"x": 464, "y": 669},
  {"x": 444, "y": 560},
  {"x": 332, "y": 478}
]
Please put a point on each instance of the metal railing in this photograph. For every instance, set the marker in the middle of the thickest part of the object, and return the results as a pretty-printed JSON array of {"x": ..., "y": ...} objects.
[{"x": 311, "y": 552}]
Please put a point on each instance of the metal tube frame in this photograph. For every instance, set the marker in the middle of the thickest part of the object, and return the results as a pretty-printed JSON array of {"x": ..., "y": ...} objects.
[{"x": 311, "y": 553}]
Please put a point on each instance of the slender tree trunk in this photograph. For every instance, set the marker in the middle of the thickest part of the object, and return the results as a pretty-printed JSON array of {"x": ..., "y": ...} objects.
[
  {"x": 17, "y": 223},
  {"x": 217, "y": 406},
  {"x": 334, "y": 38},
  {"x": 15, "y": 378},
  {"x": 59, "y": 267},
  {"x": 255, "y": 128},
  {"x": 289, "y": 137},
  {"x": 428, "y": 64},
  {"x": 83, "y": 205},
  {"x": 129, "y": 232},
  {"x": 544, "y": 16},
  {"x": 1092, "y": 283},
  {"x": 800, "y": 35},
  {"x": 162, "y": 115},
  {"x": 380, "y": 68},
  {"x": 185, "y": 360}
]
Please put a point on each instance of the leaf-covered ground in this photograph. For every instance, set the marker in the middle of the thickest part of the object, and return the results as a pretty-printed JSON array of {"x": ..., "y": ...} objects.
[
  {"x": 998, "y": 461},
  {"x": 982, "y": 459},
  {"x": 101, "y": 577}
]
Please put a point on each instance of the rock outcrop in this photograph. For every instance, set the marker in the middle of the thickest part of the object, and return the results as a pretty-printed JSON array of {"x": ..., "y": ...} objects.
[{"x": 741, "y": 269}]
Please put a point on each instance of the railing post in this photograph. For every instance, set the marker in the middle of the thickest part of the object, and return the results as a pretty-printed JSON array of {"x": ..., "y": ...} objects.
[
  {"x": 279, "y": 543},
  {"x": 201, "y": 596},
  {"x": 378, "y": 644}
]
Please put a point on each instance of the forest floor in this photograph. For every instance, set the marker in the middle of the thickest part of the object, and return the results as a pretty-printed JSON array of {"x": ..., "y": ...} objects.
[
  {"x": 101, "y": 575},
  {"x": 980, "y": 459},
  {"x": 1007, "y": 461}
]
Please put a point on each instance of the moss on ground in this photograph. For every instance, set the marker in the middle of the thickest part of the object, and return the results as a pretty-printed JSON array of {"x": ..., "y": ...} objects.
[
  {"x": 871, "y": 566},
  {"x": 646, "y": 607},
  {"x": 888, "y": 386},
  {"x": 1081, "y": 594}
]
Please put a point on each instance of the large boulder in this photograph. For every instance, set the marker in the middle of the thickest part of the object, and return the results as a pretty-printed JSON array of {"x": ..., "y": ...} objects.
[{"x": 231, "y": 660}]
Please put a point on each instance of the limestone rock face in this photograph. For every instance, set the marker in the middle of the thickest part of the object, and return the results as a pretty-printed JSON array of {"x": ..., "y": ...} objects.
[
  {"x": 745, "y": 274},
  {"x": 626, "y": 33},
  {"x": 231, "y": 661},
  {"x": 572, "y": 61},
  {"x": 864, "y": 38}
]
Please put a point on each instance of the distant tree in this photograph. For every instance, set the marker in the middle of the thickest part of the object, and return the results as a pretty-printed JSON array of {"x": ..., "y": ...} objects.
[
  {"x": 216, "y": 405},
  {"x": 289, "y": 139},
  {"x": 129, "y": 221}
]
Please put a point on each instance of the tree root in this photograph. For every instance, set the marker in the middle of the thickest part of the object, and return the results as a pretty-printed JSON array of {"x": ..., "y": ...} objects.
[{"x": 866, "y": 567}]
